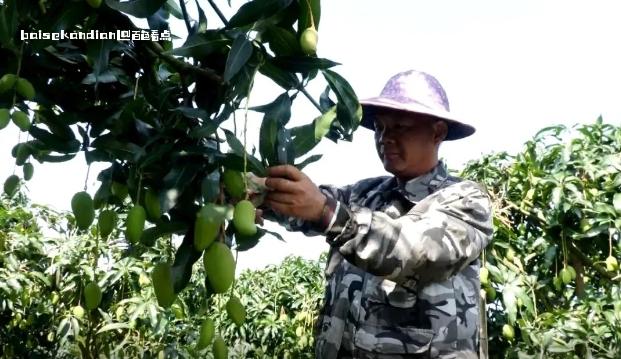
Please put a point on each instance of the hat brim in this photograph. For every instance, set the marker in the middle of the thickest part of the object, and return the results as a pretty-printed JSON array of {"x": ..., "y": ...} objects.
[{"x": 456, "y": 128}]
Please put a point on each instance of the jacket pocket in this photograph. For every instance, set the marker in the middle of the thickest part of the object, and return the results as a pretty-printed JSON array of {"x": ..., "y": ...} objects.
[{"x": 393, "y": 339}]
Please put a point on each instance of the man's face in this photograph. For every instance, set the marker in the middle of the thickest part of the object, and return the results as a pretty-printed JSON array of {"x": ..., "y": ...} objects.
[{"x": 408, "y": 143}]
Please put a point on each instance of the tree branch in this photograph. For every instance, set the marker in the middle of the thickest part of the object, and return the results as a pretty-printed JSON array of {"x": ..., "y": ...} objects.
[
  {"x": 583, "y": 257},
  {"x": 300, "y": 87},
  {"x": 183, "y": 66},
  {"x": 220, "y": 14},
  {"x": 185, "y": 15}
]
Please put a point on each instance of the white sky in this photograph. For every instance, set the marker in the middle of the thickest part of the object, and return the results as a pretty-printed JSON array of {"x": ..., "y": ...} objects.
[{"x": 509, "y": 68}]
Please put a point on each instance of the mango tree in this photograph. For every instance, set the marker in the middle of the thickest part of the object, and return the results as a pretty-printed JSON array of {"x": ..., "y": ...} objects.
[{"x": 160, "y": 116}]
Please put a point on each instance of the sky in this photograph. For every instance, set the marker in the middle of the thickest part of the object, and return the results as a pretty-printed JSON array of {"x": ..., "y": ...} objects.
[{"x": 509, "y": 68}]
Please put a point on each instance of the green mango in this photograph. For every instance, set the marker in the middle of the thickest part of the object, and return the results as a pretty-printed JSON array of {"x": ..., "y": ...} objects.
[
  {"x": 92, "y": 295},
  {"x": 152, "y": 204},
  {"x": 572, "y": 271},
  {"x": 94, "y": 3},
  {"x": 219, "y": 348},
  {"x": 136, "y": 218},
  {"x": 28, "y": 171},
  {"x": 5, "y": 117},
  {"x": 219, "y": 266},
  {"x": 119, "y": 190},
  {"x": 565, "y": 275},
  {"x": 78, "y": 311},
  {"x": 206, "y": 227},
  {"x": 243, "y": 218},
  {"x": 236, "y": 311},
  {"x": 508, "y": 332},
  {"x": 21, "y": 120},
  {"x": 25, "y": 88},
  {"x": 10, "y": 185},
  {"x": 484, "y": 275},
  {"x": 308, "y": 40},
  {"x": 22, "y": 154},
  {"x": 106, "y": 222},
  {"x": 234, "y": 183},
  {"x": 611, "y": 264},
  {"x": 161, "y": 277},
  {"x": 83, "y": 209},
  {"x": 7, "y": 82},
  {"x": 206, "y": 334},
  {"x": 490, "y": 294}
]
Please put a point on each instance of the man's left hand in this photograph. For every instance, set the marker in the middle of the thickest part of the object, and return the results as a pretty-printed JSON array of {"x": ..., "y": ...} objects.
[{"x": 292, "y": 193}]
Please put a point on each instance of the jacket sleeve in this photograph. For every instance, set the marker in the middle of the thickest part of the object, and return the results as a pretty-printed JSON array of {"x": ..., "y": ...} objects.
[
  {"x": 437, "y": 238},
  {"x": 340, "y": 195}
]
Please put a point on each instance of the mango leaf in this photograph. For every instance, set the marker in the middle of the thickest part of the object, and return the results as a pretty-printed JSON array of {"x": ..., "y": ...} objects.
[
  {"x": 236, "y": 162},
  {"x": 349, "y": 111},
  {"x": 8, "y": 23},
  {"x": 303, "y": 63},
  {"x": 236, "y": 146},
  {"x": 509, "y": 301},
  {"x": 241, "y": 50},
  {"x": 113, "y": 326},
  {"x": 202, "y": 19},
  {"x": 210, "y": 186},
  {"x": 304, "y": 20},
  {"x": 303, "y": 138},
  {"x": 308, "y": 161},
  {"x": 284, "y": 79},
  {"x": 150, "y": 235},
  {"x": 256, "y": 10},
  {"x": 137, "y": 8},
  {"x": 285, "y": 149},
  {"x": 282, "y": 42},
  {"x": 200, "y": 45},
  {"x": 277, "y": 115},
  {"x": 244, "y": 243},
  {"x": 323, "y": 123},
  {"x": 185, "y": 257},
  {"x": 616, "y": 202},
  {"x": 173, "y": 8}
]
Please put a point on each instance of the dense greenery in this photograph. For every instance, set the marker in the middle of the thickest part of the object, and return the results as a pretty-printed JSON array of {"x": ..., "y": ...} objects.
[
  {"x": 165, "y": 119},
  {"x": 557, "y": 211},
  {"x": 42, "y": 313}
]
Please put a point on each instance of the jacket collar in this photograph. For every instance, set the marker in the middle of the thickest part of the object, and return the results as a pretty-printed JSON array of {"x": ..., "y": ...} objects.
[{"x": 420, "y": 187}]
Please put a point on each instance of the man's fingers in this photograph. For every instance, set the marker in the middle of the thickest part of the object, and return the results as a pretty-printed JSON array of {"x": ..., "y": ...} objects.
[
  {"x": 285, "y": 171},
  {"x": 258, "y": 216},
  {"x": 280, "y": 184}
]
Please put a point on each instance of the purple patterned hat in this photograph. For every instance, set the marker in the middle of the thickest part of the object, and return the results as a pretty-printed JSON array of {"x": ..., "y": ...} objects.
[{"x": 419, "y": 92}]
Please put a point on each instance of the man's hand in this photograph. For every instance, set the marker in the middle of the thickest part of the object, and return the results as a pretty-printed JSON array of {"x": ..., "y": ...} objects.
[{"x": 292, "y": 193}]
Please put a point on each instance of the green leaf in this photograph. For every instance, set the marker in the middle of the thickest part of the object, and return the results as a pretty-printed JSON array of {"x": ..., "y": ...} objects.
[
  {"x": 200, "y": 45},
  {"x": 323, "y": 123},
  {"x": 210, "y": 186},
  {"x": 349, "y": 111},
  {"x": 202, "y": 19},
  {"x": 236, "y": 146},
  {"x": 150, "y": 235},
  {"x": 113, "y": 326},
  {"x": 8, "y": 23},
  {"x": 308, "y": 161},
  {"x": 53, "y": 142},
  {"x": 256, "y": 10},
  {"x": 285, "y": 148},
  {"x": 137, "y": 8},
  {"x": 241, "y": 50},
  {"x": 236, "y": 162},
  {"x": 303, "y": 63},
  {"x": 304, "y": 21},
  {"x": 616, "y": 202},
  {"x": 284, "y": 79},
  {"x": 185, "y": 257},
  {"x": 173, "y": 8},
  {"x": 277, "y": 115},
  {"x": 303, "y": 138},
  {"x": 282, "y": 42}
]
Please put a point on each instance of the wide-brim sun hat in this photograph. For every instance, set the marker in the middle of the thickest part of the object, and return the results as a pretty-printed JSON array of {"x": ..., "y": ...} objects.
[{"x": 416, "y": 92}]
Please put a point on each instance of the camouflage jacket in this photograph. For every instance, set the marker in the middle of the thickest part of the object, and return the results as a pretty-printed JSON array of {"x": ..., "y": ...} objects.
[{"x": 403, "y": 270}]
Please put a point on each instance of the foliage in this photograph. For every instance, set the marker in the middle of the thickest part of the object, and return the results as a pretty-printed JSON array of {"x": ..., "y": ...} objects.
[
  {"x": 557, "y": 208},
  {"x": 164, "y": 117},
  {"x": 42, "y": 310}
]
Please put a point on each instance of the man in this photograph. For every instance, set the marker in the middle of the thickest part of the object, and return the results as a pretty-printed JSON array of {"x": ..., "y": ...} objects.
[{"x": 402, "y": 271}]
